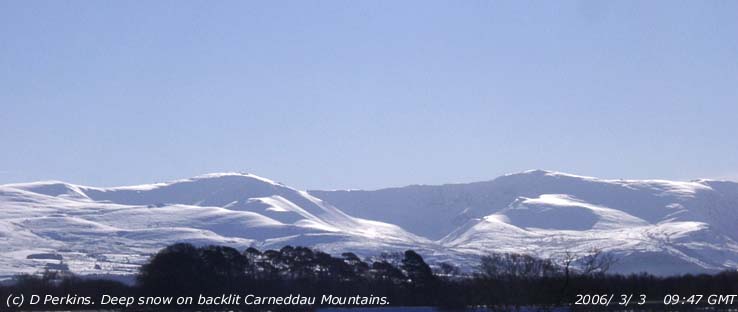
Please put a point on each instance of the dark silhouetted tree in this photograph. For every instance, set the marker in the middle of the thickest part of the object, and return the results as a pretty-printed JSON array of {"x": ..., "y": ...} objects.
[
  {"x": 174, "y": 271},
  {"x": 417, "y": 270}
]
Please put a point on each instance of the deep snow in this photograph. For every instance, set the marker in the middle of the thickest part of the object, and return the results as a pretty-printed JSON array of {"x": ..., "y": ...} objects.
[{"x": 664, "y": 227}]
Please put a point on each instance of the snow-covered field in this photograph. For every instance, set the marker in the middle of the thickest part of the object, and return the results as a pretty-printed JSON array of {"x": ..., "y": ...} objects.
[{"x": 663, "y": 227}]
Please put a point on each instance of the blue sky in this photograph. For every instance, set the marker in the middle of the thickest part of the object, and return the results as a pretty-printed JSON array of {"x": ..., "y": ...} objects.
[{"x": 366, "y": 94}]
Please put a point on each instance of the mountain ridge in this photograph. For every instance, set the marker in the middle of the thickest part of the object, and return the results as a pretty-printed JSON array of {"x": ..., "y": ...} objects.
[{"x": 112, "y": 230}]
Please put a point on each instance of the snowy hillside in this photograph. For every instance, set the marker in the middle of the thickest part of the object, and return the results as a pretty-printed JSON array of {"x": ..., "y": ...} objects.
[
  {"x": 659, "y": 226},
  {"x": 113, "y": 230}
]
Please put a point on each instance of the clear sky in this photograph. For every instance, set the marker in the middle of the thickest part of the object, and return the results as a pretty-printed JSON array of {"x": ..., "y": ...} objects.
[{"x": 366, "y": 94}]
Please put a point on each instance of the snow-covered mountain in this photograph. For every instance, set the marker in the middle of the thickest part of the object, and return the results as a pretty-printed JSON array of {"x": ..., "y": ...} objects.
[
  {"x": 664, "y": 227},
  {"x": 113, "y": 230},
  {"x": 659, "y": 226}
]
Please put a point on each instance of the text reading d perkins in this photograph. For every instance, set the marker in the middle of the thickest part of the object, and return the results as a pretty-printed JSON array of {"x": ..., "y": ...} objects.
[{"x": 201, "y": 300}]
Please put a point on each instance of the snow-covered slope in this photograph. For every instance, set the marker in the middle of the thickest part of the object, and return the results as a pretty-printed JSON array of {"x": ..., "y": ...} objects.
[
  {"x": 113, "y": 230},
  {"x": 664, "y": 227}
]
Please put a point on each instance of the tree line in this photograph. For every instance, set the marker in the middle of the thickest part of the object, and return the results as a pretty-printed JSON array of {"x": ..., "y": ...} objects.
[{"x": 405, "y": 279}]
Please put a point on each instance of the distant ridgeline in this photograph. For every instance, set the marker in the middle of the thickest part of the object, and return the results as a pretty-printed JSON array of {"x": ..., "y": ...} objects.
[
  {"x": 301, "y": 278},
  {"x": 655, "y": 226}
]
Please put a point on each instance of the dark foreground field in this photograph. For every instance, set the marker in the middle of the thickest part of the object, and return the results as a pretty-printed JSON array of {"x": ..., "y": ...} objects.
[{"x": 253, "y": 280}]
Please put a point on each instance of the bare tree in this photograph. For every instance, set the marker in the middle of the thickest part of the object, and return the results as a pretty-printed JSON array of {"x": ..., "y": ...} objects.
[
  {"x": 596, "y": 262},
  {"x": 447, "y": 270},
  {"x": 516, "y": 265}
]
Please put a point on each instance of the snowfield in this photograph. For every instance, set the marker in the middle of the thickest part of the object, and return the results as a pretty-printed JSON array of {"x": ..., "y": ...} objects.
[{"x": 662, "y": 227}]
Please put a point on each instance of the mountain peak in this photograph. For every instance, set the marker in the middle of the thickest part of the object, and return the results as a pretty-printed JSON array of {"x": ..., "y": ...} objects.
[
  {"x": 549, "y": 173},
  {"x": 217, "y": 175},
  {"x": 50, "y": 188}
]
